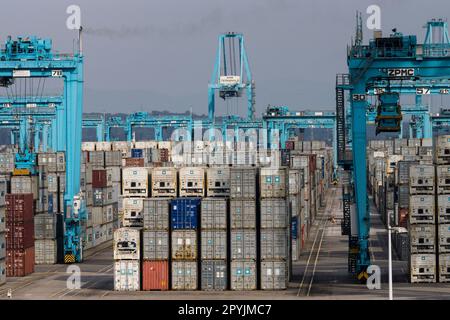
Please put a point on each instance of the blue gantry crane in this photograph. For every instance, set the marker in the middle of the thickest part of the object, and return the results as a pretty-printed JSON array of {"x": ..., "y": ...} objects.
[
  {"x": 31, "y": 57},
  {"x": 398, "y": 61},
  {"x": 231, "y": 75}
]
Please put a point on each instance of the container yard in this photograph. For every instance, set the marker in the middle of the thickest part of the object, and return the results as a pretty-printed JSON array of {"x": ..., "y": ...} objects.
[{"x": 280, "y": 187}]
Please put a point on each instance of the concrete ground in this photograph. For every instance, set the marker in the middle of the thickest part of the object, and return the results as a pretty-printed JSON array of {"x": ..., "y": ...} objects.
[{"x": 321, "y": 272}]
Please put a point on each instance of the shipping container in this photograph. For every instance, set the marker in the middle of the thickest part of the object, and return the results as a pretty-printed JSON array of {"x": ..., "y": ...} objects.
[
  {"x": 243, "y": 244},
  {"x": 443, "y": 202},
  {"x": 184, "y": 275},
  {"x": 274, "y": 244},
  {"x": 274, "y": 275},
  {"x": 2, "y": 219},
  {"x": 214, "y": 275},
  {"x": 99, "y": 178},
  {"x": 97, "y": 158},
  {"x": 113, "y": 159},
  {"x": 296, "y": 181},
  {"x": 164, "y": 182},
  {"x": 2, "y": 246},
  {"x": 243, "y": 213},
  {"x": 184, "y": 245},
  {"x": 126, "y": 244},
  {"x": 19, "y": 262},
  {"x": 243, "y": 183},
  {"x": 243, "y": 275},
  {"x": 274, "y": 213},
  {"x": 422, "y": 238},
  {"x": 155, "y": 213},
  {"x": 134, "y": 162},
  {"x": 218, "y": 182},
  {"x": 133, "y": 212},
  {"x": 422, "y": 268},
  {"x": 422, "y": 209},
  {"x": 155, "y": 245},
  {"x": 25, "y": 185},
  {"x": 103, "y": 146},
  {"x": 46, "y": 251},
  {"x": 185, "y": 213},
  {"x": 127, "y": 275},
  {"x": 19, "y": 235},
  {"x": 444, "y": 268},
  {"x": 44, "y": 226},
  {"x": 214, "y": 213},
  {"x": 7, "y": 162},
  {"x": 2, "y": 272},
  {"x": 272, "y": 183},
  {"x": 213, "y": 244},
  {"x": 444, "y": 238},
  {"x": 135, "y": 182},
  {"x": 192, "y": 182},
  {"x": 155, "y": 275},
  {"x": 421, "y": 179}
]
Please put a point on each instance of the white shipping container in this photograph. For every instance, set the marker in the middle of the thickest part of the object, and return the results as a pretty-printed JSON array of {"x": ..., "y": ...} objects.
[
  {"x": 2, "y": 272},
  {"x": 272, "y": 183},
  {"x": 184, "y": 275},
  {"x": 45, "y": 251},
  {"x": 164, "y": 182},
  {"x": 421, "y": 209},
  {"x": 127, "y": 242},
  {"x": 135, "y": 182},
  {"x": 88, "y": 146},
  {"x": 192, "y": 182},
  {"x": 443, "y": 208},
  {"x": 444, "y": 238},
  {"x": 422, "y": 268},
  {"x": 103, "y": 146},
  {"x": 444, "y": 268},
  {"x": 127, "y": 275},
  {"x": 422, "y": 238}
]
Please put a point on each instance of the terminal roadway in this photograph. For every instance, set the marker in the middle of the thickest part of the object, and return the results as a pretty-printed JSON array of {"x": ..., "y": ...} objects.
[{"x": 321, "y": 272}]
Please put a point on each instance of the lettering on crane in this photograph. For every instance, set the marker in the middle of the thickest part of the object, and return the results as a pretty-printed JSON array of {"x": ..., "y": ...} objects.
[{"x": 402, "y": 72}]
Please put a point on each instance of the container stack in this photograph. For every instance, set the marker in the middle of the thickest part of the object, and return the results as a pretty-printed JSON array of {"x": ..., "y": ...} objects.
[
  {"x": 243, "y": 233},
  {"x": 47, "y": 221},
  {"x": 402, "y": 183},
  {"x": 19, "y": 235},
  {"x": 295, "y": 205},
  {"x": 3, "y": 190},
  {"x": 214, "y": 244},
  {"x": 135, "y": 188},
  {"x": 185, "y": 214},
  {"x": 442, "y": 160},
  {"x": 422, "y": 223},
  {"x": 155, "y": 244},
  {"x": 274, "y": 229},
  {"x": 100, "y": 181},
  {"x": 127, "y": 255}
]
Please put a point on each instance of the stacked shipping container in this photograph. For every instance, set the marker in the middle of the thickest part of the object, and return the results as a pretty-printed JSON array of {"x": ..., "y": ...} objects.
[
  {"x": 185, "y": 214},
  {"x": 274, "y": 229},
  {"x": 155, "y": 244},
  {"x": 127, "y": 254},
  {"x": 19, "y": 235},
  {"x": 243, "y": 238}
]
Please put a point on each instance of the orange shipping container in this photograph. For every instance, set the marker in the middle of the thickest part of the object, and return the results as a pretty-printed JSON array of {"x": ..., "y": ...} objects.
[
  {"x": 19, "y": 263},
  {"x": 155, "y": 275},
  {"x": 134, "y": 162}
]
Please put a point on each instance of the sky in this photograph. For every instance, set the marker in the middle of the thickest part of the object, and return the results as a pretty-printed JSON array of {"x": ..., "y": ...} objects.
[{"x": 145, "y": 55}]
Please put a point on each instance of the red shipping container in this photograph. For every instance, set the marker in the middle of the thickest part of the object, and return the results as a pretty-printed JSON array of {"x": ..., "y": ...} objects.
[
  {"x": 164, "y": 155},
  {"x": 289, "y": 145},
  {"x": 155, "y": 275},
  {"x": 403, "y": 218},
  {"x": 19, "y": 207},
  {"x": 134, "y": 162},
  {"x": 99, "y": 179},
  {"x": 19, "y": 235},
  {"x": 19, "y": 263}
]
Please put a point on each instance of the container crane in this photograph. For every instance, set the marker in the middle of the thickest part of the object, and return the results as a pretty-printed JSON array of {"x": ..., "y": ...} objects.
[
  {"x": 32, "y": 57},
  {"x": 231, "y": 75},
  {"x": 394, "y": 59}
]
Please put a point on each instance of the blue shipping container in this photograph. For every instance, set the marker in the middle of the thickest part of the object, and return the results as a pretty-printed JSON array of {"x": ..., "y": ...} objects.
[
  {"x": 137, "y": 153},
  {"x": 185, "y": 213},
  {"x": 50, "y": 203},
  {"x": 294, "y": 228}
]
